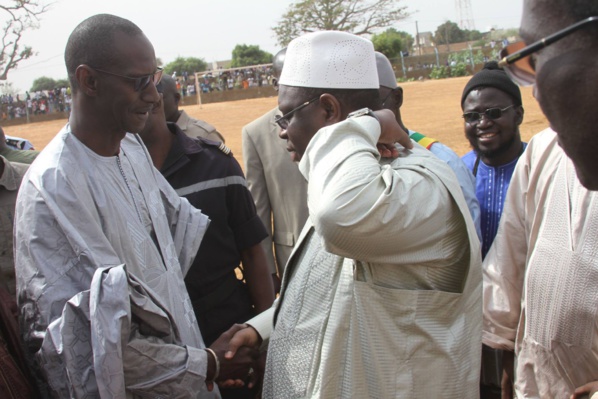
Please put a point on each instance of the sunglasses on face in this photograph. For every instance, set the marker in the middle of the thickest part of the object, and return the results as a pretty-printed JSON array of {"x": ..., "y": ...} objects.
[
  {"x": 490, "y": 113},
  {"x": 140, "y": 82},
  {"x": 283, "y": 121},
  {"x": 517, "y": 60}
]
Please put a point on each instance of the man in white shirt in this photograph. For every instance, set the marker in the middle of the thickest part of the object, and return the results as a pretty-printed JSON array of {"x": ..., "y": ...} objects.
[
  {"x": 102, "y": 241},
  {"x": 383, "y": 288}
]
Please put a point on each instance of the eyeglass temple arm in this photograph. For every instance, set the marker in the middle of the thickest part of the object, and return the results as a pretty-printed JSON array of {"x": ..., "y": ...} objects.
[{"x": 532, "y": 48}]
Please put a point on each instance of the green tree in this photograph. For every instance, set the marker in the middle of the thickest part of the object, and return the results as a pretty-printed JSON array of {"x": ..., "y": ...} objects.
[
  {"x": 472, "y": 35},
  {"x": 391, "y": 42},
  {"x": 246, "y": 55},
  {"x": 356, "y": 16},
  {"x": 447, "y": 33},
  {"x": 62, "y": 83},
  {"x": 189, "y": 65},
  {"x": 43, "y": 83},
  {"x": 20, "y": 15}
]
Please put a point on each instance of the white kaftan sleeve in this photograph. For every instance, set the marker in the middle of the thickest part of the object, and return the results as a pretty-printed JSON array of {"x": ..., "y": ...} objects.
[
  {"x": 365, "y": 208},
  {"x": 504, "y": 265},
  {"x": 57, "y": 256}
]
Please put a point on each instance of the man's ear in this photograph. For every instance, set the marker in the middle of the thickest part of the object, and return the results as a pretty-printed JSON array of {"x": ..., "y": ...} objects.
[
  {"x": 520, "y": 112},
  {"x": 398, "y": 95},
  {"x": 177, "y": 98},
  {"x": 332, "y": 108},
  {"x": 87, "y": 80}
]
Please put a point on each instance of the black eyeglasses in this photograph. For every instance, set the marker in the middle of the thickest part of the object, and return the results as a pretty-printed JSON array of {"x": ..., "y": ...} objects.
[
  {"x": 490, "y": 113},
  {"x": 516, "y": 60},
  {"x": 141, "y": 82},
  {"x": 283, "y": 121}
]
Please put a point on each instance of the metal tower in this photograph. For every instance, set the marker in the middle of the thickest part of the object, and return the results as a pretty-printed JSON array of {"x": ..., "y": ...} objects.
[{"x": 465, "y": 15}]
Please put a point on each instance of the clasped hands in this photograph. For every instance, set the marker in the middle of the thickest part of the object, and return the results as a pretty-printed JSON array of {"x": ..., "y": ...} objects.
[
  {"x": 391, "y": 133},
  {"x": 240, "y": 362}
]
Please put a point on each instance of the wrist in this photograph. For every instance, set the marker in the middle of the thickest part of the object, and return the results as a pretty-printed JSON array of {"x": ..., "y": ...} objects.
[
  {"x": 363, "y": 112},
  {"x": 213, "y": 369}
]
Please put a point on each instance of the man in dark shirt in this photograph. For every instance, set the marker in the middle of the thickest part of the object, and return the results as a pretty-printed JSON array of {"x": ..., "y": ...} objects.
[{"x": 205, "y": 172}]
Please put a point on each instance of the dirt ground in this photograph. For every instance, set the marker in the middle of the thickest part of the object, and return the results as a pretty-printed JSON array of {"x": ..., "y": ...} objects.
[{"x": 430, "y": 107}]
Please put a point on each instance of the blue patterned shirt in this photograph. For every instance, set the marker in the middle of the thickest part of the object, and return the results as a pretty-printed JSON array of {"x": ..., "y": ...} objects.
[{"x": 492, "y": 183}]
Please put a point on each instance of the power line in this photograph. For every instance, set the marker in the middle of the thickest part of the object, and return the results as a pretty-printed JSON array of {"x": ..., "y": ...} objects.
[{"x": 40, "y": 62}]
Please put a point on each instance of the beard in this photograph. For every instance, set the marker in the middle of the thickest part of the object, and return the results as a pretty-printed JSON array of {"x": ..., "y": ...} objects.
[{"x": 490, "y": 153}]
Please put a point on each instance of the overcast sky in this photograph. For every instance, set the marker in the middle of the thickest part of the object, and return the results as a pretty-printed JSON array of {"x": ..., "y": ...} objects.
[{"x": 211, "y": 29}]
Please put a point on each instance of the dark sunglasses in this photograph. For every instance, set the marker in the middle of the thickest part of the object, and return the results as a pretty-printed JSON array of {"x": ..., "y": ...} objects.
[
  {"x": 516, "y": 60},
  {"x": 283, "y": 121},
  {"x": 490, "y": 113},
  {"x": 140, "y": 82}
]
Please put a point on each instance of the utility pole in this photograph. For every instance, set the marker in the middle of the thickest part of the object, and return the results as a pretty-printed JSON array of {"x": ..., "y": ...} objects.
[{"x": 419, "y": 46}]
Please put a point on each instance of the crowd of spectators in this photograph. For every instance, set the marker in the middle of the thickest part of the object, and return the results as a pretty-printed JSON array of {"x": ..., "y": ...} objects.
[
  {"x": 36, "y": 103},
  {"x": 228, "y": 79}
]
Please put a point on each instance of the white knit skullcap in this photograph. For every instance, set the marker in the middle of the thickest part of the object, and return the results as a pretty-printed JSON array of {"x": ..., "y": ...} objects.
[
  {"x": 330, "y": 60},
  {"x": 386, "y": 74}
]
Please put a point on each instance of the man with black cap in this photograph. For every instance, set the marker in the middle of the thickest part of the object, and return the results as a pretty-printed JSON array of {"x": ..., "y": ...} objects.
[
  {"x": 383, "y": 287},
  {"x": 492, "y": 112},
  {"x": 278, "y": 188}
]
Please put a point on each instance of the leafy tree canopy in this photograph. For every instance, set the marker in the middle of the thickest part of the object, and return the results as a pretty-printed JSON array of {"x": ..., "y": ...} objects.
[
  {"x": 189, "y": 65},
  {"x": 46, "y": 83},
  {"x": 356, "y": 16},
  {"x": 449, "y": 32},
  {"x": 60, "y": 83},
  {"x": 20, "y": 15},
  {"x": 246, "y": 55},
  {"x": 391, "y": 42}
]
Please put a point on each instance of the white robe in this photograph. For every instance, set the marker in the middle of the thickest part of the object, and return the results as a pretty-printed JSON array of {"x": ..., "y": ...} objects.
[
  {"x": 383, "y": 290},
  {"x": 77, "y": 213},
  {"x": 541, "y": 274}
]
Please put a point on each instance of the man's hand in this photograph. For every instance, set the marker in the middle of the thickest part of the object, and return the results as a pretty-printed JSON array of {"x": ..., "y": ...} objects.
[
  {"x": 589, "y": 390},
  {"x": 235, "y": 367},
  {"x": 244, "y": 338},
  {"x": 390, "y": 134}
]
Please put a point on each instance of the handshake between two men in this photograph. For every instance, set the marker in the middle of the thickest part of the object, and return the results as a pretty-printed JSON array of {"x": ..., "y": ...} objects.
[{"x": 234, "y": 359}]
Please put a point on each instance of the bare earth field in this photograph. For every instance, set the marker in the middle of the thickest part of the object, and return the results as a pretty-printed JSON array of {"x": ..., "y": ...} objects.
[{"x": 430, "y": 107}]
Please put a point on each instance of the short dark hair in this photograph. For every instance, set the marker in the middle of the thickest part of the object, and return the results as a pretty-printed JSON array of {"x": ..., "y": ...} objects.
[
  {"x": 576, "y": 10},
  {"x": 352, "y": 99},
  {"x": 91, "y": 43},
  {"x": 581, "y": 9},
  {"x": 278, "y": 62},
  {"x": 168, "y": 84}
]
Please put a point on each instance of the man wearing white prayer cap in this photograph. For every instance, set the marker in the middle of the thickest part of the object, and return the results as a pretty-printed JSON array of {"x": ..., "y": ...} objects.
[{"x": 382, "y": 294}]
